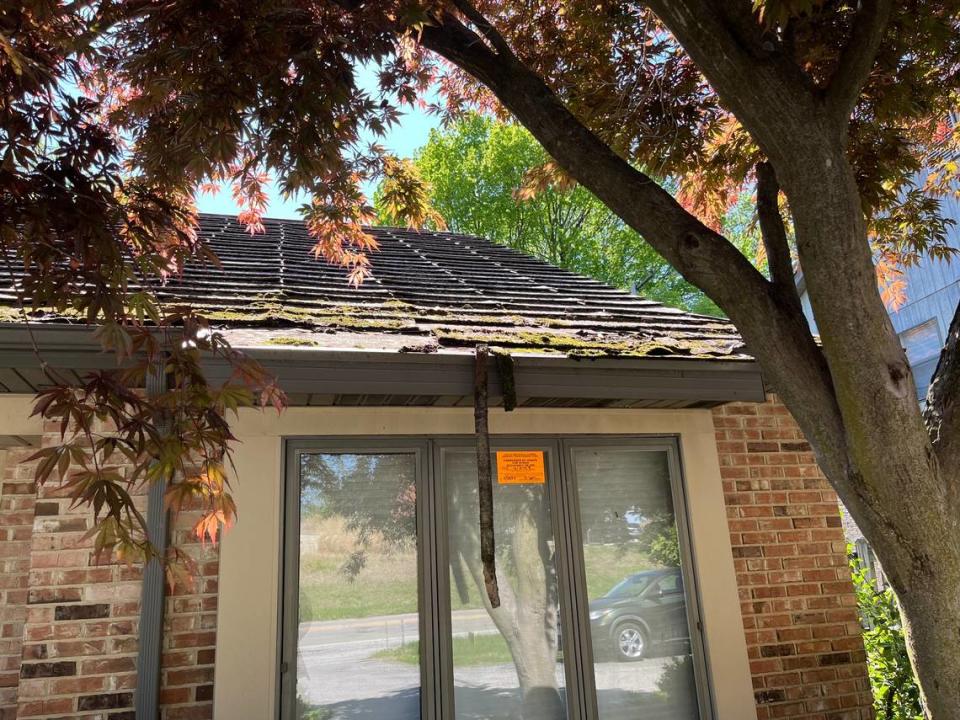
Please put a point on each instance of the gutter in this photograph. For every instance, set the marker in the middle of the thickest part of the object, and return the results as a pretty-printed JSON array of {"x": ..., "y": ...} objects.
[{"x": 447, "y": 373}]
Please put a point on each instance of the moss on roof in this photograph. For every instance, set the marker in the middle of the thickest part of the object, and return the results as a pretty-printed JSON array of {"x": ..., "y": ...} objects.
[
  {"x": 439, "y": 288},
  {"x": 291, "y": 342}
]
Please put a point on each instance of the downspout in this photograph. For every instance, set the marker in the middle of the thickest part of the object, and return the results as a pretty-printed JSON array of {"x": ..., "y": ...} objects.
[{"x": 147, "y": 692}]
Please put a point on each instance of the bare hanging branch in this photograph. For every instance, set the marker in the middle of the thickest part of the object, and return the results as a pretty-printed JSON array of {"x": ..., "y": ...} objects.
[
  {"x": 774, "y": 234},
  {"x": 505, "y": 369},
  {"x": 485, "y": 476}
]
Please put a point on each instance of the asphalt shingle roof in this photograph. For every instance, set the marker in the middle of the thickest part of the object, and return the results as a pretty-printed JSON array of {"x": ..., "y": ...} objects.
[{"x": 427, "y": 291}]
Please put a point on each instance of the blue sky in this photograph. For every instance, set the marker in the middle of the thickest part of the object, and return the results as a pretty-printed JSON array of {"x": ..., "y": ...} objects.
[{"x": 410, "y": 133}]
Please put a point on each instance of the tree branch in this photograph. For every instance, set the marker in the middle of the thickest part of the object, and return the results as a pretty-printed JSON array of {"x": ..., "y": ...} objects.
[
  {"x": 486, "y": 29},
  {"x": 774, "y": 234},
  {"x": 877, "y": 432},
  {"x": 776, "y": 333},
  {"x": 857, "y": 58},
  {"x": 770, "y": 95},
  {"x": 488, "y": 555},
  {"x": 942, "y": 414}
]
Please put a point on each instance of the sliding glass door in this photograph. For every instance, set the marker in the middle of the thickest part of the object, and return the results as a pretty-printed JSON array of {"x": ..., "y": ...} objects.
[{"x": 385, "y": 610}]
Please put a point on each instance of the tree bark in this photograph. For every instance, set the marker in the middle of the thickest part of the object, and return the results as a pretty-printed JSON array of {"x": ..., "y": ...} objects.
[{"x": 930, "y": 609}]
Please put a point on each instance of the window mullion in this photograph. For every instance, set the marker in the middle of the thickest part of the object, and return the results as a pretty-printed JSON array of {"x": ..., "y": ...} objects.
[
  {"x": 289, "y": 586},
  {"x": 443, "y": 665},
  {"x": 426, "y": 569},
  {"x": 577, "y": 651}
]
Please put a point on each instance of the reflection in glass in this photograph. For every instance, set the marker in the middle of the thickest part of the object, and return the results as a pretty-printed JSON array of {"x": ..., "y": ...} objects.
[
  {"x": 638, "y": 613},
  {"x": 358, "y": 649},
  {"x": 505, "y": 660}
]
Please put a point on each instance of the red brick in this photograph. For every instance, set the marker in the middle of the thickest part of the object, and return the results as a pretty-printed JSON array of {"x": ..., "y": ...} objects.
[
  {"x": 68, "y": 619},
  {"x": 797, "y": 604},
  {"x": 193, "y": 676}
]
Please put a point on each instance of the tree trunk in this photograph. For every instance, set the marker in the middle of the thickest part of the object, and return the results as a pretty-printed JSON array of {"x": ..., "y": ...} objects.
[
  {"x": 930, "y": 609},
  {"x": 895, "y": 488}
]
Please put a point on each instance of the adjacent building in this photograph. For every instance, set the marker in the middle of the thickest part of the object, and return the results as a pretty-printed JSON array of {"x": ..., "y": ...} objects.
[{"x": 922, "y": 322}]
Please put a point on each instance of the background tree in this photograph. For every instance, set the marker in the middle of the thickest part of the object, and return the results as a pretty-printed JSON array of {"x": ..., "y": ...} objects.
[
  {"x": 478, "y": 173},
  {"x": 836, "y": 106},
  {"x": 895, "y": 692}
]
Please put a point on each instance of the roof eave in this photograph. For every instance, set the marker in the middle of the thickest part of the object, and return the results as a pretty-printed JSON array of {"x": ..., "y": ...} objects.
[{"x": 326, "y": 374}]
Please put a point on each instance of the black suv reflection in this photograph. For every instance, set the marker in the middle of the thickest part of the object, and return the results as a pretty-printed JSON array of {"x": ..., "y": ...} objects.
[{"x": 641, "y": 613}]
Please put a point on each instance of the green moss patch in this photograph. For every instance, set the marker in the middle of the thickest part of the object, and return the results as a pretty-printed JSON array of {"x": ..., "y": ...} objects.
[
  {"x": 568, "y": 344},
  {"x": 292, "y": 342}
]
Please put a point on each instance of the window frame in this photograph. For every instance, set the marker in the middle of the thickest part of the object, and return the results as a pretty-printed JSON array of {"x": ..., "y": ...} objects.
[
  {"x": 433, "y": 579},
  {"x": 688, "y": 569},
  {"x": 289, "y": 590}
]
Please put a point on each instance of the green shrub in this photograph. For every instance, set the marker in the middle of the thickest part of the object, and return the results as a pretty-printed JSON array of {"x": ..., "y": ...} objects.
[
  {"x": 895, "y": 692},
  {"x": 306, "y": 711}
]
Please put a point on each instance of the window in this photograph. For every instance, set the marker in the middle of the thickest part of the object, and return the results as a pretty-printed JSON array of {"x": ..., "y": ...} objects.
[
  {"x": 634, "y": 571},
  {"x": 386, "y": 614},
  {"x": 358, "y": 595},
  {"x": 923, "y": 345}
]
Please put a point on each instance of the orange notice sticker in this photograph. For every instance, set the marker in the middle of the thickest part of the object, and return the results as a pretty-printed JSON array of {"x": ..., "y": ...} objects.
[{"x": 520, "y": 467}]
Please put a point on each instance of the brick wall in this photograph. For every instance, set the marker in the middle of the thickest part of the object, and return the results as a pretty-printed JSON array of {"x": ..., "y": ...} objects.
[
  {"x": 76, "y": 633},
  {"x": 189, "y": 635},
  {"x": 17, "y": 499},
  {"x": 797, "y": 601}
]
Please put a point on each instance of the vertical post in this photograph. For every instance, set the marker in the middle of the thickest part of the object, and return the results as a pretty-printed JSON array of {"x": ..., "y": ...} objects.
[{"x": 147, "y": 693}]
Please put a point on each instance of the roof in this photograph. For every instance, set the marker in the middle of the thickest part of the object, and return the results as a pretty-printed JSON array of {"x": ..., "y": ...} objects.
[
  {"x": 406, "y": 335},
  {"x": 427, "y": 291}
]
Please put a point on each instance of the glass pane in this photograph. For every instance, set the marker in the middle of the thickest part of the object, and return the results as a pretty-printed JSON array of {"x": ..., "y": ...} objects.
[
  {"x": 358, "y": 640},
  {"x": 923, "y": 374},
  {"x": 506, "y": 662},
  {"x": 638, "y": 615},
  {"x": 921, "y": 342}
]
